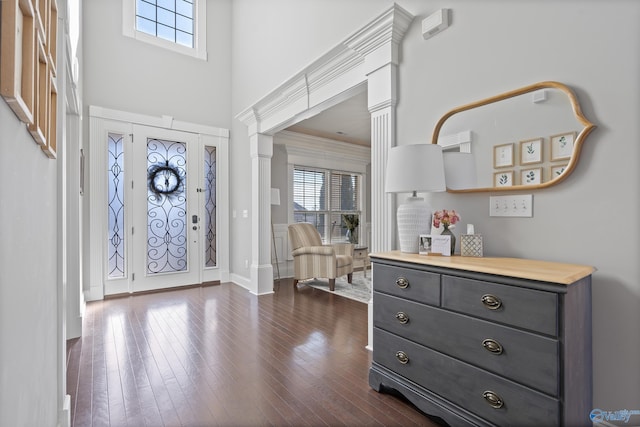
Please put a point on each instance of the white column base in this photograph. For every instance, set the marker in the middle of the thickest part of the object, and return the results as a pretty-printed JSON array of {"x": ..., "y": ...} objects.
[{"x": 262, "y": 276}]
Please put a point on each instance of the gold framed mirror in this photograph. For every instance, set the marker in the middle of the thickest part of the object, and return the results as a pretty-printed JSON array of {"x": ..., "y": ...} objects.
[{"x": 528, "y": 138}]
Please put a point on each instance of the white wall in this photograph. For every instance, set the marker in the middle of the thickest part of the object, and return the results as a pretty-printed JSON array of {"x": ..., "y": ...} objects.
[
  {"x": 491, "y": 47},
  {"x": 127, "y": 74},
  {"x": 28, "y": 279}
]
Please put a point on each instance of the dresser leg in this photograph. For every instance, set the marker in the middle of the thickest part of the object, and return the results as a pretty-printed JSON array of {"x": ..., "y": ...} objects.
[
  {"x": 332, "y": 284},
  {"x": 349, "y": 277}
]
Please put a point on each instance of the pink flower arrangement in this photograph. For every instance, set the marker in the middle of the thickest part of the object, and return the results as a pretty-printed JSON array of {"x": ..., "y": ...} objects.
[{"x": 447, "y": 218}]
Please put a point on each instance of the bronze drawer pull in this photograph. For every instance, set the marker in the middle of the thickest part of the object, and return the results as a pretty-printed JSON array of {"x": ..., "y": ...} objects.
[
  {"x": 492, "y": 302},
  {"x": 402, "y": 282},
  {"x": 493, "y": 399},
  {"x": 402, "y": 357},
  {"x": 492, "y": 346},
  {"x": 402, "y": 317}
]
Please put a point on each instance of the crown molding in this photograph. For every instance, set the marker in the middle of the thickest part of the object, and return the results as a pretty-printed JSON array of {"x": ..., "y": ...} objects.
[{"x": 343, "y": 67}]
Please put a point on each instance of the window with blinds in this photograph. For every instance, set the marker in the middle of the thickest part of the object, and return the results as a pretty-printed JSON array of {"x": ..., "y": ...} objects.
[{"x": 330, "y": 200}]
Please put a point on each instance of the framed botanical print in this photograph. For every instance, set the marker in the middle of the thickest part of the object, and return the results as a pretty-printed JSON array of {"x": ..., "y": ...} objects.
[
  {"x": 503, "y": 155},
  {"x": 531, "y": 151},
  {"x": 531, "y": 176},
  {"x": 556, "y": 171},
  {"x": 503, "y": 179},
  {"x": 562, "y": 146}
]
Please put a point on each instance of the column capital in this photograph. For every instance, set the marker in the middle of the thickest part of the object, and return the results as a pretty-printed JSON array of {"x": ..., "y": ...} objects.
[{"x": 261, "y": 145}]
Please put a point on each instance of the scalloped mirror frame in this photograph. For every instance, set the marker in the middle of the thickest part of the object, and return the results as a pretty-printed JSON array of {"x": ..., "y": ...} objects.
[{"x": 582, "y": 135}]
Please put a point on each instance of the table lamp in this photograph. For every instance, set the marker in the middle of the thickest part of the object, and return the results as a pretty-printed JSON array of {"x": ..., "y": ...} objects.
[{"x": 412, "y": 169}]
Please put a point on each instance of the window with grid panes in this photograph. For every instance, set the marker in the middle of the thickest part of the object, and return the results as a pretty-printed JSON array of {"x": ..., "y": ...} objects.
[
  {"x": 330, "y": 200},
  {"x": 178, "y": 25}
]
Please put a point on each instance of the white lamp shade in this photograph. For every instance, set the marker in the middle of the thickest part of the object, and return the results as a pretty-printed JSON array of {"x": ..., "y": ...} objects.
[
  {"x": 417, "y": 167},
  {"x": 413, "y": 168},
  {"x": 460, "y": 170},
  {"x": 275, "y": 196}
]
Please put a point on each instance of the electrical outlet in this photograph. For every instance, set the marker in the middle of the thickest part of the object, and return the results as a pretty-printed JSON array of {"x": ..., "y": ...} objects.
[{"x": 517, "y": 205}]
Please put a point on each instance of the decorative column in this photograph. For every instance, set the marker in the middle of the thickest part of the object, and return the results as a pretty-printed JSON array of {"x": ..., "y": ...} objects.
[
  {"x": 381, "y": 57},
  {"x": 383, "y": 206},
  {"x": 379, "y": 45},
  {"x": 382, "y": 106},
  {"x": 261, "y": 149}
]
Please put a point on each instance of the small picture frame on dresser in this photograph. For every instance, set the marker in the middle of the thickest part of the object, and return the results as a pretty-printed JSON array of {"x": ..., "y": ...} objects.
[
  {"x": 441, "y": 244},
  {"x": 424, "y": 248}
]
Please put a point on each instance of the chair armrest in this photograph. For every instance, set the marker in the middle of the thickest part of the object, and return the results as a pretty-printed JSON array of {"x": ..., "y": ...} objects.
[
  {"x": 314, "y": 250},
  {"x": 344, "y": 248}
]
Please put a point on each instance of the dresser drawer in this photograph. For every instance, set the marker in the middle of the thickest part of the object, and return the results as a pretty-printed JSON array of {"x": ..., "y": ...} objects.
[
  {"x": 465, "y": 384},
  {"x": 522, "y": 356},
  {"x": 526, "y": 308},
  {"x": 416, "y": 285}
]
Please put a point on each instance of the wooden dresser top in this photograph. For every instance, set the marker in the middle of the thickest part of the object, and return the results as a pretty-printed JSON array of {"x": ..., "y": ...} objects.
[{"x": 545, "y": 271}]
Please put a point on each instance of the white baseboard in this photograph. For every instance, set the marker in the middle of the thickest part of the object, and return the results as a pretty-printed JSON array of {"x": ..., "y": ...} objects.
[
  {"x": 64, "y": 418},
  {"x": 241, "y": 281},
  {"x": 94, "y": 294}
]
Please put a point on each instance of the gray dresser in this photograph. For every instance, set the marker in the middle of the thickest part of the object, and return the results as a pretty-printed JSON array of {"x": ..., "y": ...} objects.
[{"x": 484, "y": 341}]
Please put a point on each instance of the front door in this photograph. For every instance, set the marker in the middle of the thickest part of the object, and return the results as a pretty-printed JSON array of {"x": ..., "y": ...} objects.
[{"x": 166, "y": 215}]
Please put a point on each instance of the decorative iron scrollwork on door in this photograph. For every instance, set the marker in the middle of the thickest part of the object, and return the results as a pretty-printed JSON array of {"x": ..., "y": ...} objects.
[{"x": 167, "y": 206}]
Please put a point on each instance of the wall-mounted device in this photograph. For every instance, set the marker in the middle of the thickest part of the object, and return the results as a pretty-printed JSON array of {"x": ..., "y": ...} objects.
[
  {"x": 435, "y": 23},
  {"x": 517, "y": 205}
]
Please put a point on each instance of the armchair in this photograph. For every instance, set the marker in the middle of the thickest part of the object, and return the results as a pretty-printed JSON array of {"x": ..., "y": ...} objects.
[{"x": 312, "y": 259}]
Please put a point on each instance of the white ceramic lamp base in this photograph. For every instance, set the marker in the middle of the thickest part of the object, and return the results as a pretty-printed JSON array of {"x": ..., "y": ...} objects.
[{"x": 414, "y": 219}]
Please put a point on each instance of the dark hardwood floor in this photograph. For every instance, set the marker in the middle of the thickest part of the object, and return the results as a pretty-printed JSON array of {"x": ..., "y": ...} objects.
[{"x": 220, "y": 356}]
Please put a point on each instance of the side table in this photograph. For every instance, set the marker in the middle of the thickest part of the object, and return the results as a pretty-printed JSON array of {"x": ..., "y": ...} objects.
[{"x": 361, "y": 258}]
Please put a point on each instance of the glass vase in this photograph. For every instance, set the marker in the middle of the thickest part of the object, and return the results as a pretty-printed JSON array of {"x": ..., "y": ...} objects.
[{"x": 447, "y": 232}]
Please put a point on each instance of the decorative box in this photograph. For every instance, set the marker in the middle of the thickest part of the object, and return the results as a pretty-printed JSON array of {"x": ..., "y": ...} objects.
[{"x": 471, "y": 245}]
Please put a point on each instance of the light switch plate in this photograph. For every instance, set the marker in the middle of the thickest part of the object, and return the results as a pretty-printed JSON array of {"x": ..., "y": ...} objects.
[{"x": 513, "y": 205}]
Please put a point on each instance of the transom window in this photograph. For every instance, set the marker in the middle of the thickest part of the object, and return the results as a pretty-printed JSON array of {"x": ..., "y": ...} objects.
[
  {"x": 168, "y": 19},
  {"x": 178, "y": 25},
  {"x": 330, "y": 200}
]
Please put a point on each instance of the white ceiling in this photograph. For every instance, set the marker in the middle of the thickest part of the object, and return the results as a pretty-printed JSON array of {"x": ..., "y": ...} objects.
[{"x": 349, "y": 121}]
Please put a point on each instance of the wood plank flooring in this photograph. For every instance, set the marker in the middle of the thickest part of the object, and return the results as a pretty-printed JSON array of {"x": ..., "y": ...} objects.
[{"x": 220, "y": 356}]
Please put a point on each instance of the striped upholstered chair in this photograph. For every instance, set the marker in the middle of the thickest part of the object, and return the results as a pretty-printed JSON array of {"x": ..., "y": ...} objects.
[{"x": 312, "y": 259}]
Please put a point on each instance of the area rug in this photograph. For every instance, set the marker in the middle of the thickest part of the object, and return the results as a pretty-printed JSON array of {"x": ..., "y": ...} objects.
[{"x": 358, "y": 290}]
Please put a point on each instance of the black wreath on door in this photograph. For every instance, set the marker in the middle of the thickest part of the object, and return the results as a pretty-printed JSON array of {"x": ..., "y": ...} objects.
[{"x": 164, "y": 179}]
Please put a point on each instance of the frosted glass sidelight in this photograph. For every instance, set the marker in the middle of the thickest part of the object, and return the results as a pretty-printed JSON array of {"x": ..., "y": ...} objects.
[
  {"x": 115, "y": 234},
  {"x": 211, "y": 257}
]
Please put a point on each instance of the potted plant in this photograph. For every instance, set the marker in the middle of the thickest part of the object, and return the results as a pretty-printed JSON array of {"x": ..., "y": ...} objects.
[{"x": 351, "y": 221}]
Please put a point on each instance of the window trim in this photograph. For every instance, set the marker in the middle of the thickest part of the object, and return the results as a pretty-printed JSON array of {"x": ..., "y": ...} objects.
[{"x": 199, "y": 50}]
